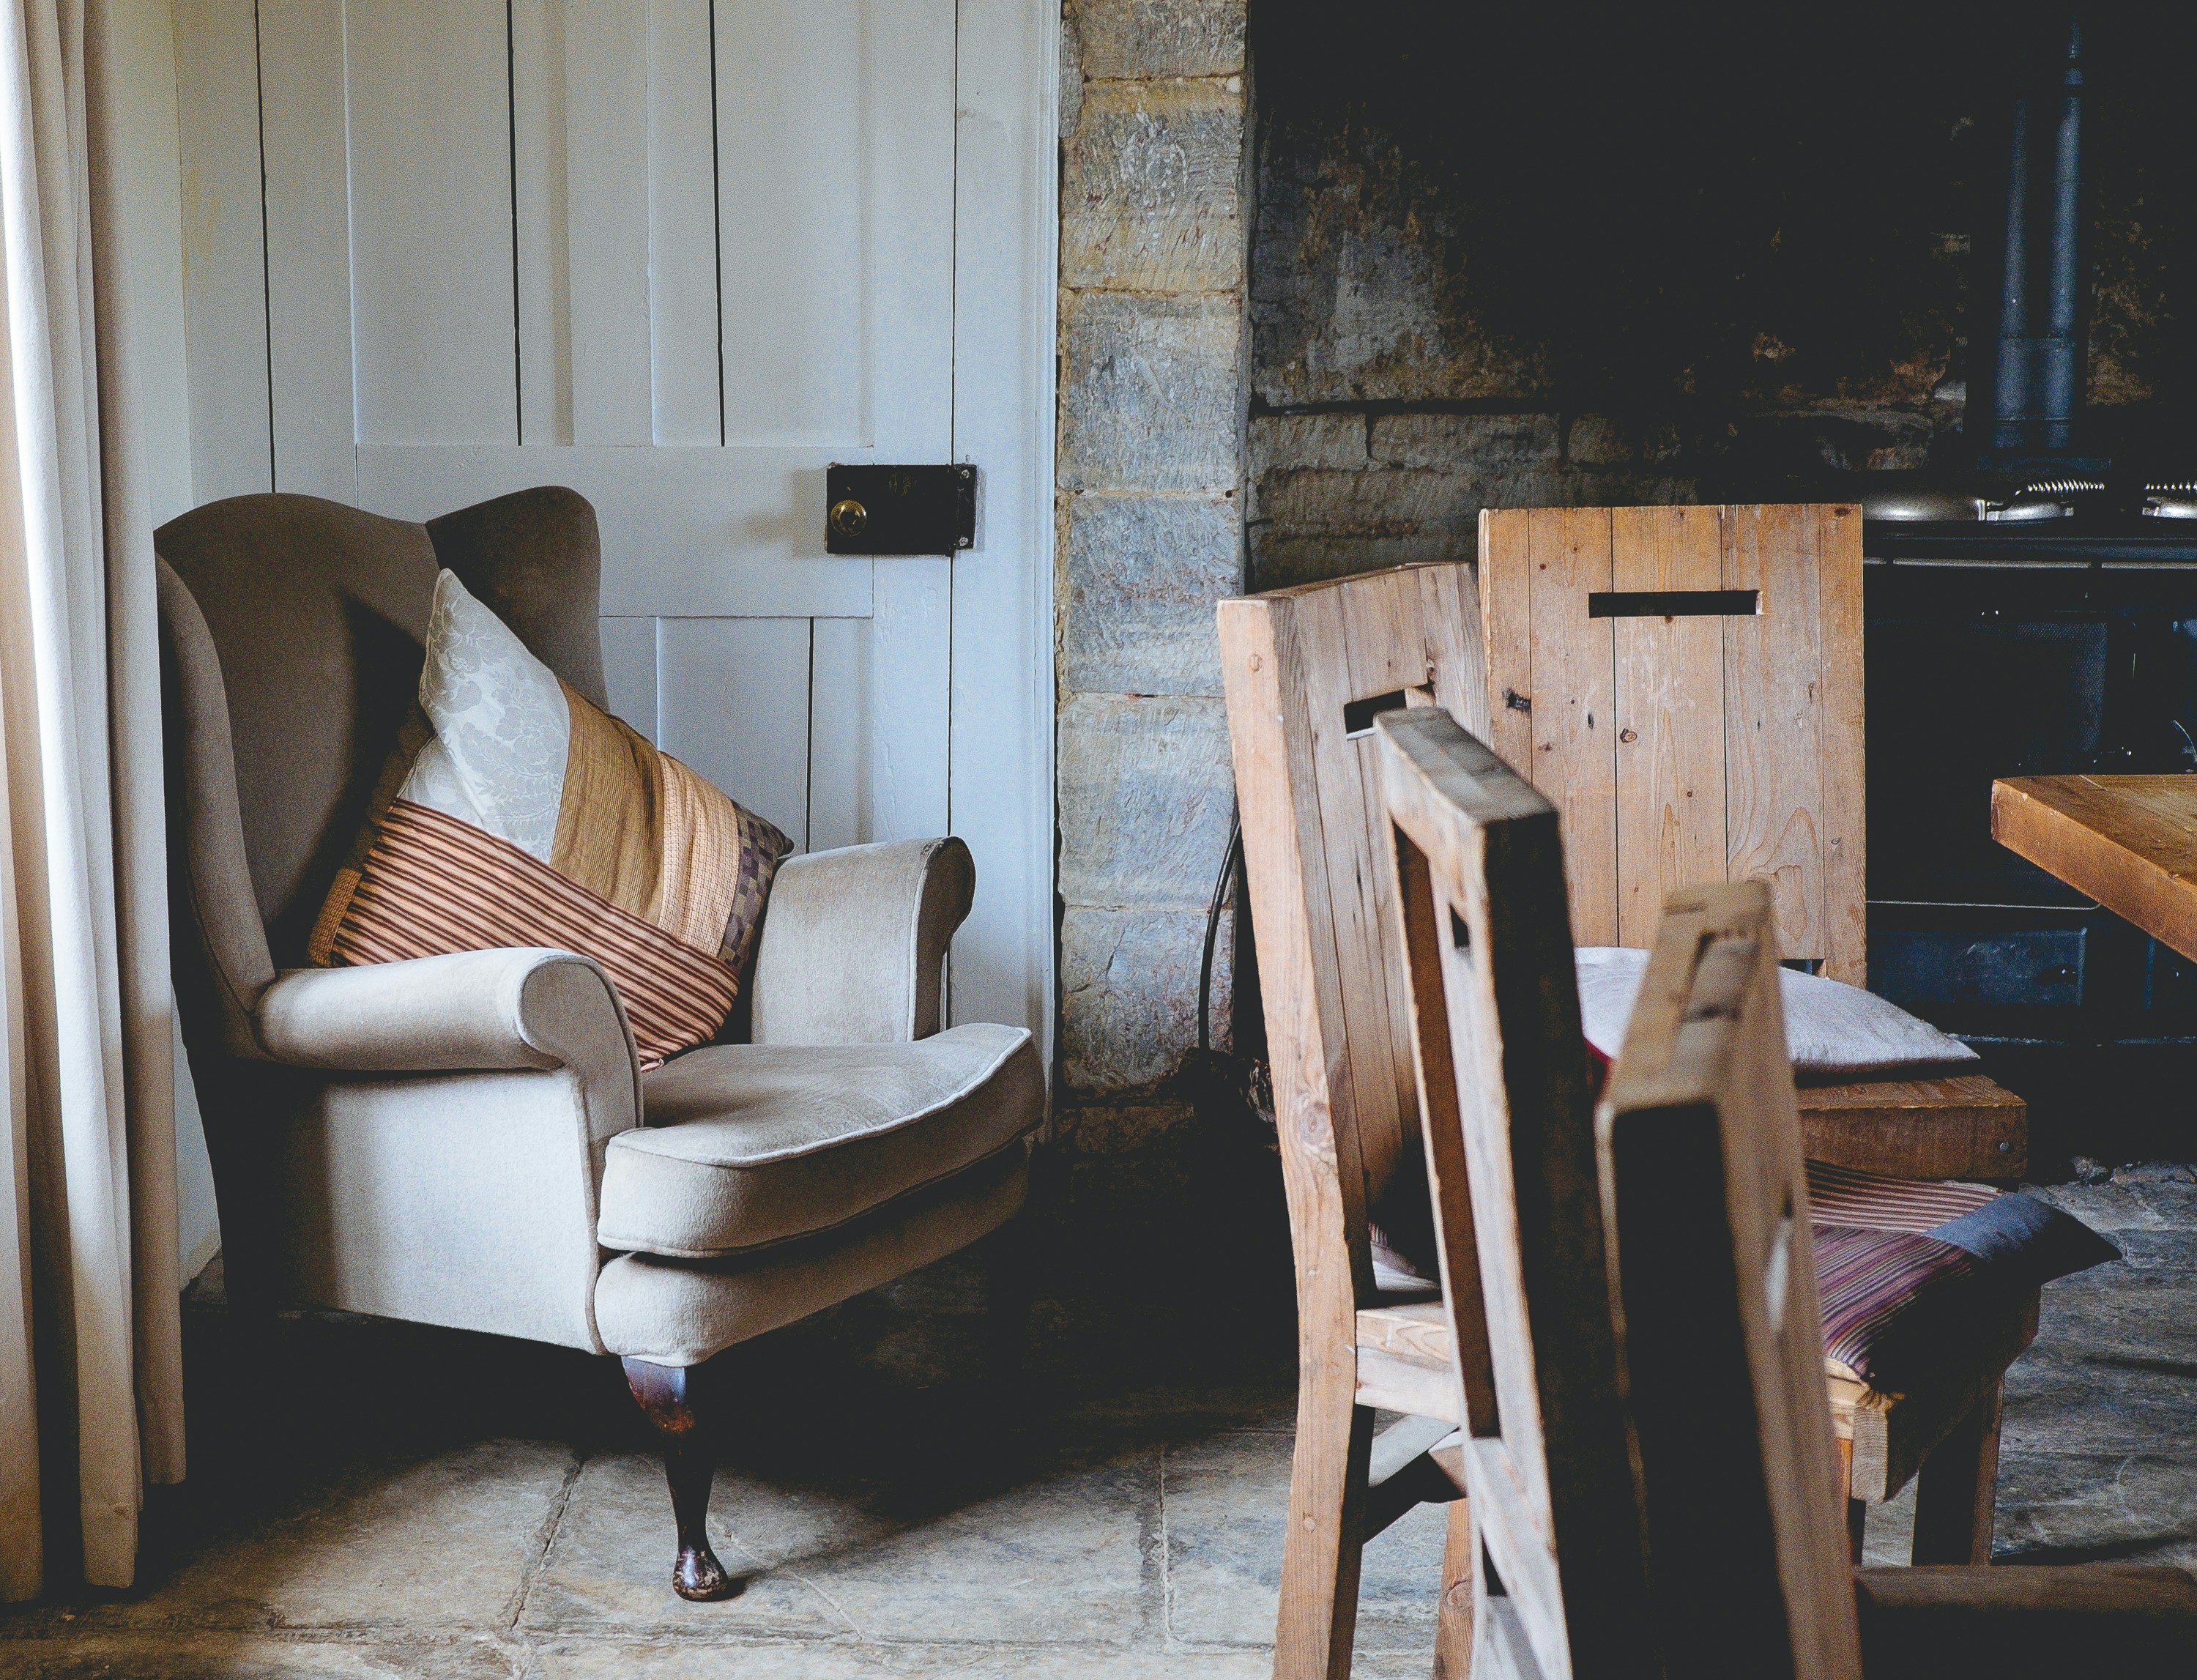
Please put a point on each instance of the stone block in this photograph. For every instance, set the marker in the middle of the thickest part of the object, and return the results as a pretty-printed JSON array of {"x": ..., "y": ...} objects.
[
  {"x": 1362, "y": 288},
  {"x": 1139, "y": 575},
  {"x": 1379, "y": 501},
  {"x": 1147, "y": 795},
  {"x": 1336, "y": 441},
  {"x": 1129, "y": 994},
  {"x": 1597, "y": 440},
  {"x": 1481, "y": 444},
  {"x": 1661, "y": 443},
  {"x": 1151, "y": 393},
  {"x": 1160, "y": 38},
  {"x": 1151, "y": 192}
]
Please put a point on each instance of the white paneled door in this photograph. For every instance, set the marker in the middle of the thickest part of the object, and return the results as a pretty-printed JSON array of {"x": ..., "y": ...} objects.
[{"x": 677, "y": 254}]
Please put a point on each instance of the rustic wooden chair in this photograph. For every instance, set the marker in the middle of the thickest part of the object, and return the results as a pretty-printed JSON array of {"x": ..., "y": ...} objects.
[
  {"x": 1630, "y": 1298},
  {"x": 1684, "y": 684},
  {"x": 1307, "y": 671}
]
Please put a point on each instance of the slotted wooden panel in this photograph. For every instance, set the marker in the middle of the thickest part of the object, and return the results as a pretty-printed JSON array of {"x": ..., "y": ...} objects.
[
  {"x": 1670, "y": 715},
  {"x": 1321, "y": 889},
  {"x": 1845, "y": 861},
  {"x": 1773, "y": 672},
  {"x": 1793, "y": 739},
  {"x": 1551, "y": 686},
  {"x": 1684, "y": 748}
]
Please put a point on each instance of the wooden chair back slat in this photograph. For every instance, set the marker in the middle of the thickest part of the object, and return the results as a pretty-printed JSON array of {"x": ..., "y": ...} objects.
[
  {"x": 1305, "y": 670},
  {"x": 1721, "y": 1331},
  {"x": 1482, "y": 907},
  {"x": 1649, "y": 1451},
  {"x": 1688, "y": 745}
]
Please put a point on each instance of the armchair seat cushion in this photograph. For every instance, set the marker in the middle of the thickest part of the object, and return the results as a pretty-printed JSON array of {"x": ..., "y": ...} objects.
[{"x": 745, "y": 1145}]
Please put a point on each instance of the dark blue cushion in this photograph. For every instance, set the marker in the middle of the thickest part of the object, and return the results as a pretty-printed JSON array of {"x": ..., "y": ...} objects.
[{"x": 2025, "y": 1241}]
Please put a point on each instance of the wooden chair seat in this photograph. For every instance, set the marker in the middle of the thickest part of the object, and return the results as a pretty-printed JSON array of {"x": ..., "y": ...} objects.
[
  {"x": 1963, "y": 1126},
  {"x": 1405, "y": 1355}
]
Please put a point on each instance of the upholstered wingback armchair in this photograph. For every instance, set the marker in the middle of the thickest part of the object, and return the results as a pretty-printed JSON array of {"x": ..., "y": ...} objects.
[{"x": 468, "y": 1140}]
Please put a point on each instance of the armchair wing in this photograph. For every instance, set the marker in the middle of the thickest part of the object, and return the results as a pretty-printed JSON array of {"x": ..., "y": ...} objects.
[{"x": 854, "y": 942}]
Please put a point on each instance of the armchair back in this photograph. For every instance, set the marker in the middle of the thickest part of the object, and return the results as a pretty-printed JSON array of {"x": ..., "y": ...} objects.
[{"x": 314, "y": 615}]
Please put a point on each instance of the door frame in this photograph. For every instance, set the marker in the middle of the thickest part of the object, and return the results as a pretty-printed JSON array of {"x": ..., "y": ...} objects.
[
  {"x": 1006, "y": 270},
  {"x": 1001, "y": 690}
]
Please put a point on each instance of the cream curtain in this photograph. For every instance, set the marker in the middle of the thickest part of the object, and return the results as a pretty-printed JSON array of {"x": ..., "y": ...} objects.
[{"x": 90, "y": 1367}]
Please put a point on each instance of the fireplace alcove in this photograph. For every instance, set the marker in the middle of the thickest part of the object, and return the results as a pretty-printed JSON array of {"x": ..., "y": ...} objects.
[{"x": 1730, "y": 253}]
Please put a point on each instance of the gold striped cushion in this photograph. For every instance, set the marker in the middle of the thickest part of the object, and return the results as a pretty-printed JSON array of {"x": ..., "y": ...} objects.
[{"x": 431, "y": 883}]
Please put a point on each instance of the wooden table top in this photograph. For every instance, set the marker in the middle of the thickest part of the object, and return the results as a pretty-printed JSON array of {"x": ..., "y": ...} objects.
[{"x": 2129, "y": 841}]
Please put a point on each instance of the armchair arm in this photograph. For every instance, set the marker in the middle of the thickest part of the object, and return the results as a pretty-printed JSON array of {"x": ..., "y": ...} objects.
[
  {"x": 853, "y": 947},
  {"x": 523, "y": 1007}
]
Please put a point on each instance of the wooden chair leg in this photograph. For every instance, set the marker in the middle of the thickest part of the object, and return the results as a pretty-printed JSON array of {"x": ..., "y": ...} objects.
[
  {"x": 1956, "y": 1489},
  {"x": 1454, "y": 1621},
  {"x": 1320, "y": 1551},
  {"x": 1856, "y": 1509},
  {"x": 666, "y": 1401}
]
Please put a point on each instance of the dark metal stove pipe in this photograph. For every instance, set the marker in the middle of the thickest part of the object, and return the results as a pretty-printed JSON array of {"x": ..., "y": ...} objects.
[
  {"x": 2061, "y": 351},
  {"x": 2039, "y": 376}
]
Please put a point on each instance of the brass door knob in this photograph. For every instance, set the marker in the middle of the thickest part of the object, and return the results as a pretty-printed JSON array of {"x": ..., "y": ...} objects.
[{"x": 849, "y": 518}]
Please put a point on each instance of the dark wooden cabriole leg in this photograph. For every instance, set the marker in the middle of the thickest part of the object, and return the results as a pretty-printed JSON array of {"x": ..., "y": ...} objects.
[{"x": 664, "y": 1394}]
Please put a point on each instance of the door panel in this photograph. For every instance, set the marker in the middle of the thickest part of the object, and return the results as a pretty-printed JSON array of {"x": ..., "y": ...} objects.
[
  {"x": 591, "y": 242},
  {"x": 629, "y": 670},
  {"x": 307, "y": 261},
  {"x": 732, "y": 702},
  {"x": 677, "y": 254},
  {"x": 794, "y": 152},
  {"x": 429, "y": 132},
  {"x": 684, "y": 531},
  {"x": 686, "y": 400}
]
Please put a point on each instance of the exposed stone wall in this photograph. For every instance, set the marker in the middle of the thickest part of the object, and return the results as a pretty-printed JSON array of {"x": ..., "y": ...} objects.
[
  {"x": 1532, "y": 256},
  {"x": 1153, "y": 395}
]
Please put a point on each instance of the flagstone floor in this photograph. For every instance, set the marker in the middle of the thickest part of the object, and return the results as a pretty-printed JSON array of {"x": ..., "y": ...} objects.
[{"x": 369, "y": 1499}]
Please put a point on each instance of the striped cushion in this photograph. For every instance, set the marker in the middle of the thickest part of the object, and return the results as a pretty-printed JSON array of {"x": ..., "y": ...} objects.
[
  {"x": 1843, "y": 1195},
  {"x": 1903, "y": 1264},
  {"x": 433, "y": 884},
  {"x": 513, "y": 813},
  {"x": 1887, "y": 1296}
]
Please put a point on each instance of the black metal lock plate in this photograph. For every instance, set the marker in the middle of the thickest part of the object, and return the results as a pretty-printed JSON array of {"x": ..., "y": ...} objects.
[{"x": 899, "y": 510}]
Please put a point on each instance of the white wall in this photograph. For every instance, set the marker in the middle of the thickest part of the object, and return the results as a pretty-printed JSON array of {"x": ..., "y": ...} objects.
[{"x": 150, "y": 214}]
